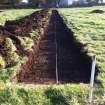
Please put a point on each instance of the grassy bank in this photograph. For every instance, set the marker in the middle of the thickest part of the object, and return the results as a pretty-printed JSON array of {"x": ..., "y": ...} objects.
[
  {"x": 89, "y": 29},
  {"x": 14, "y": 14},
  {"x": 11, "y": 94}
]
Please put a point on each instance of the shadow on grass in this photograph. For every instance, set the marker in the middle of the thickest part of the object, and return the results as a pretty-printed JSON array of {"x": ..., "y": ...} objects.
[
  {"x": 56, "y": 97},
  {"x": 74, "y": 64}
]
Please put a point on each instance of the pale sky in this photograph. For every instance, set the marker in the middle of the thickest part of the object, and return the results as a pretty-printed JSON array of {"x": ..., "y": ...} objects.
[
  {"x": 25, "y": 1},
  {"x": 69, "y": 1}
]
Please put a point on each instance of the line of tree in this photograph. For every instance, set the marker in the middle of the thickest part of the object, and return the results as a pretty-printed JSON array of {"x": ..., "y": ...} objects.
[
  {"x": 9, "y": 1},
  {"x": 37, "y": 2},
  {"x": 45, "y": 2},
  {"x": 58, "y": 2},
  {"x": 55, "y": 3}
]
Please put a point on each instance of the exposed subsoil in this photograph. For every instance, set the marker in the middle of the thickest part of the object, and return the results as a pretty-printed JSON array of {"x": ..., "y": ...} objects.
[{"x": 73, "y": 65}]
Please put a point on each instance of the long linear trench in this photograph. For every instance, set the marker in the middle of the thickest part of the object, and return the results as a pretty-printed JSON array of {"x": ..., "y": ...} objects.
[{"x": 56, "y": 55}]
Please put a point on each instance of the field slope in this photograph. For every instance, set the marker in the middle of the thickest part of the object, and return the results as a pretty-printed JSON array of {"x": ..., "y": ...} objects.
[{"x": 87, "y": 30}]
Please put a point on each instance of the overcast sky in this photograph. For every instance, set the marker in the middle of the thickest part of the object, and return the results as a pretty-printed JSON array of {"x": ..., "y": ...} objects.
[{"x": 24, "y": 1}]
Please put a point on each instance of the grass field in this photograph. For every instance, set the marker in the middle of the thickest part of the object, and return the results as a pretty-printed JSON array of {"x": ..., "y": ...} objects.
[
  {"x": 88, "y": 29},
  {"x": 14, "y": 14}
]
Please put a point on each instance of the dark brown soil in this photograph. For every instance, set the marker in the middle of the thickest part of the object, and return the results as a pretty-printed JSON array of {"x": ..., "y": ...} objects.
[
  {"x": 25, "y": 25},
  {"x": 97, "y": 11},
  {"x": 41, "y": 65},
  {"x": 74, "y": 66},
  {"x": 21, "y": 27}
]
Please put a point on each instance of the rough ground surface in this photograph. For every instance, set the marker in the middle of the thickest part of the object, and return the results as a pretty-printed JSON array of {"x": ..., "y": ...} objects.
[{"x": 73, "y": 66}]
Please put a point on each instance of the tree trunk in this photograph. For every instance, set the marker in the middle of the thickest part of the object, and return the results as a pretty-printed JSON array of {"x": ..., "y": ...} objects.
[{"x": 12, "y": 3}]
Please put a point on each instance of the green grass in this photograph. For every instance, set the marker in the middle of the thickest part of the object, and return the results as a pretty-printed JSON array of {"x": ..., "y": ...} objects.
[
  {"x": 11, "y": 94},
  {"x": 14, "y": 14},
  {"x": 89, "y": 29}
]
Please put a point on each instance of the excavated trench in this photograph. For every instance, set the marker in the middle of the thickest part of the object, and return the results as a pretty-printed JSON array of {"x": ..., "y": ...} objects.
[{"x": 58, "y": 51}]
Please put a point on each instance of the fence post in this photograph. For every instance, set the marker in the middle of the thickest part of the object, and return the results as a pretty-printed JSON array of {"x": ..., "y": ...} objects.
[
  {"x": 90, "y": 102},
  {"x": 57, "y": 81}
]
